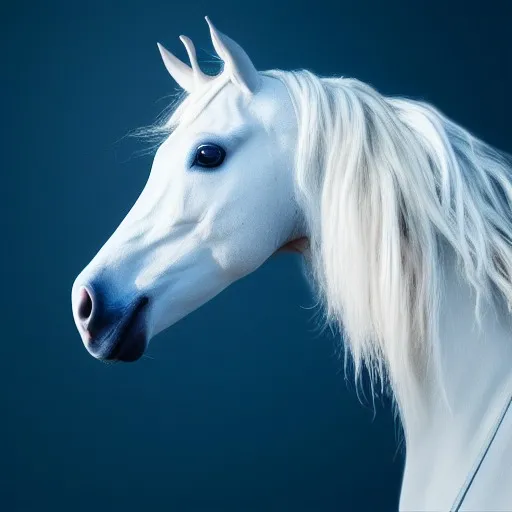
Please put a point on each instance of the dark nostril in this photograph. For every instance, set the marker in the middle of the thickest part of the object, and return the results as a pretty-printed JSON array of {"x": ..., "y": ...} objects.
[{"x": 84, "y": 305}]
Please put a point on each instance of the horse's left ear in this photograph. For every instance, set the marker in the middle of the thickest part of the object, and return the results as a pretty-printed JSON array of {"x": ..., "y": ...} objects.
[{"x": 236, "y": 61}]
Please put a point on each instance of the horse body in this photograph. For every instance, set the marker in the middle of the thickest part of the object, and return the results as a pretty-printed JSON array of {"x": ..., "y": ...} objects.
[
  {"x": 408, "y": 220},
  {"x": 444, "y": 451}
]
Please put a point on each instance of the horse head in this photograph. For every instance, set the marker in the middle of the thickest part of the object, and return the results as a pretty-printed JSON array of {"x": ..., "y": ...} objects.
[{"x": 218, "y": 202}]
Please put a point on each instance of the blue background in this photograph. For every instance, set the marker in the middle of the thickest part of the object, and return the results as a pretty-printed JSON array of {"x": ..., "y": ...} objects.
[{"x": 242, "y": 405}]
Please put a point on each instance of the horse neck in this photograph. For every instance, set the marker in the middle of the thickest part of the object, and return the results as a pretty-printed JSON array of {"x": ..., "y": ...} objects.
[{"x": 474, "y": 366}]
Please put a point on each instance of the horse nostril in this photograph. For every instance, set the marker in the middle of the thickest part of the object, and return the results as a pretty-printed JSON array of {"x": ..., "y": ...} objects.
[{"x": 85, "y": 306}]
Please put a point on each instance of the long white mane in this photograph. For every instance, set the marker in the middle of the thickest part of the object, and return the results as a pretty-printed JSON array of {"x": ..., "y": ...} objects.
[{"x": 385, "y": 183}]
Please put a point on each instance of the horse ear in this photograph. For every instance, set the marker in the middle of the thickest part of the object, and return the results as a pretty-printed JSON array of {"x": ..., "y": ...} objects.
[
  {"x": 199, "y": 77},
  {"x": 236, "y": 61},
  {"x": 182, "y": 73}
]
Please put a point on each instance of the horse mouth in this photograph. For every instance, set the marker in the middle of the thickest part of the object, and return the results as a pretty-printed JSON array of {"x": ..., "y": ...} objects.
[{"x": 128, "y": 341}]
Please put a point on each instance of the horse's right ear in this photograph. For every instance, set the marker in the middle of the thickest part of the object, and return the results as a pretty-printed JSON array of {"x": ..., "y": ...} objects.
[
  {"x": 236, "y": 62},
  {"x": 182, "y": 73}
]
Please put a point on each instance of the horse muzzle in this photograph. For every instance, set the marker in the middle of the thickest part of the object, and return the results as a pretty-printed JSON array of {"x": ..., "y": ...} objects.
[{"x": 111, "y": 331}]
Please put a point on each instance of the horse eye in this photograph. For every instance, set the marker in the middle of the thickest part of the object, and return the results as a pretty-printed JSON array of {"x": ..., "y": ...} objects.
[{"x": 209, "y": 155}]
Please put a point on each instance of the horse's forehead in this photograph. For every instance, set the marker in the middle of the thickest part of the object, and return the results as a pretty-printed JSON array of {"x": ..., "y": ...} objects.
[
  {"x": 230, "y": 108},
  {"x": 227, "y": 110}
]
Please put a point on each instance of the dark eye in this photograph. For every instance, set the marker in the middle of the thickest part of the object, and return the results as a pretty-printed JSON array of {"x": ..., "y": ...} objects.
[{"x": 209, "y": 155}]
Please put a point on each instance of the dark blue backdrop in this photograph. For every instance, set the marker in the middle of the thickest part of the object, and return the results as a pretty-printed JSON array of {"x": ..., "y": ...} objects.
[{"x": 242, "y": 406}]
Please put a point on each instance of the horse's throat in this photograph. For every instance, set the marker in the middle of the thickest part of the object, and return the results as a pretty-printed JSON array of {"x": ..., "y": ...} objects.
[{"x": 299, "y": 245}]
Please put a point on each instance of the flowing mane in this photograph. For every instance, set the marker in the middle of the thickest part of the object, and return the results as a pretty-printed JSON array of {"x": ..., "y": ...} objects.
[{"x": 384, "y": 182}]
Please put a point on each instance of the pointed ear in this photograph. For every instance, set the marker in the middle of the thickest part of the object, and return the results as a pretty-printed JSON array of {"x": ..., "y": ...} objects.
[
  {"x": 199, "y": 77},
  {"x": 236, "y": 61},
  {"x": 182, "y": 73}
]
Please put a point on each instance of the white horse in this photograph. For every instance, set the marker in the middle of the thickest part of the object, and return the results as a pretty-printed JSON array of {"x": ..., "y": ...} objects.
[{"x": 404, "y": 219}]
